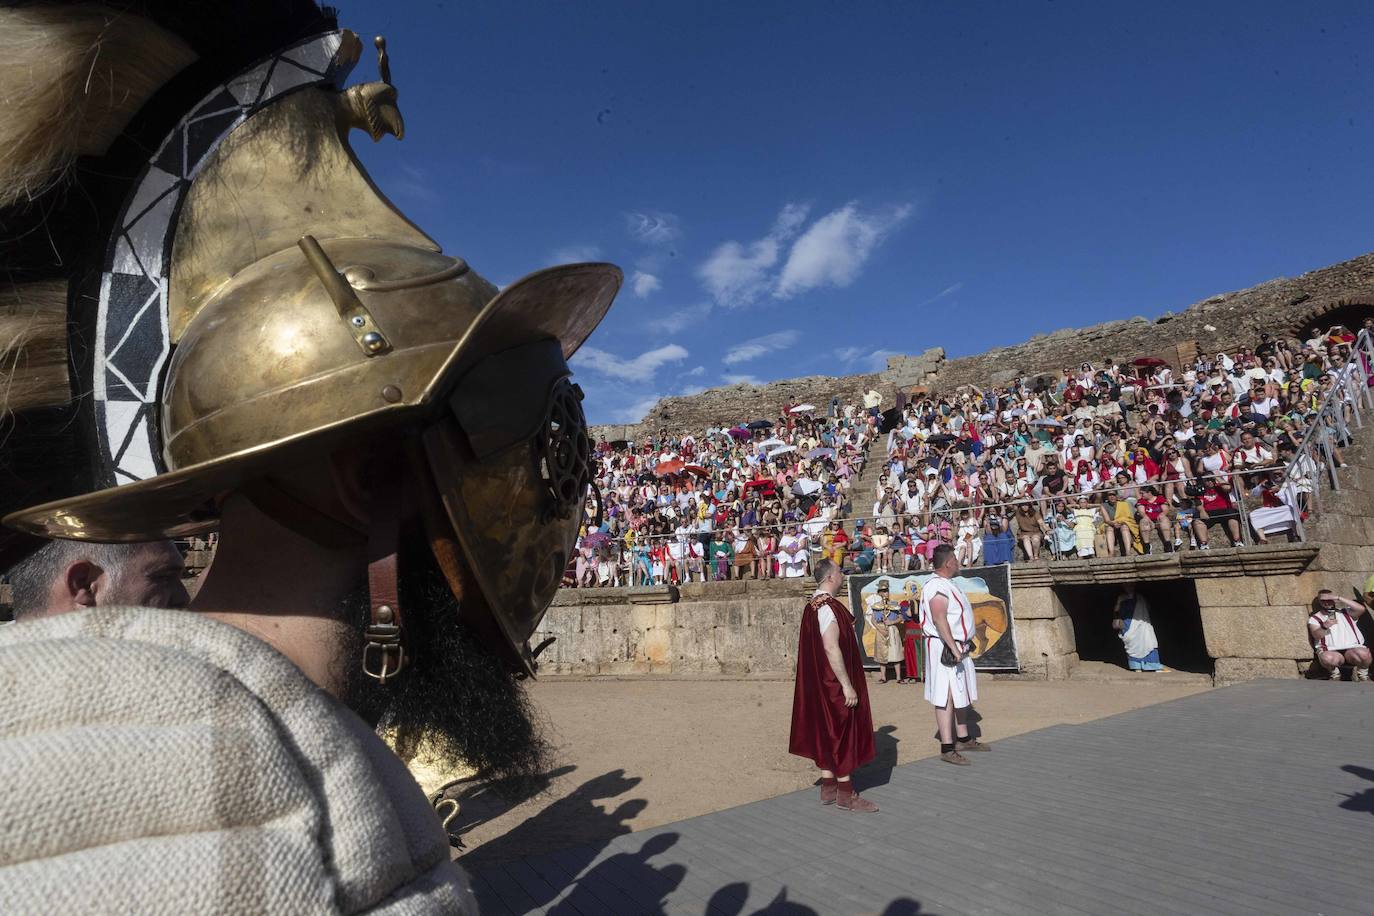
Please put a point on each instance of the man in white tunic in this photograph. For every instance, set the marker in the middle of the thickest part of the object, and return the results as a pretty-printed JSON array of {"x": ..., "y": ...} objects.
[
  {"x": 1336, "y": 636},
  {"x": 947, "y": 624}
]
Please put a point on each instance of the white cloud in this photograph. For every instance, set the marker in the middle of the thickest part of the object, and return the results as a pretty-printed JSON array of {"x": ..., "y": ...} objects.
[
  {"x": 834, "y": 249},
  {"x": 758, "y": 346},
  {"x": 653, "y": 227},
  {"x": 864, "y": 360},
  {"x": 637, "y": 411},
  {"x": 789, "y": 220},
  {"x": 644, "y": 283},
  {"x": 698, "y": 370},
  {"x": 736, "y": 274},
  {"x": 742, "y": 380},
  {"x": 638, "y": 369},
  {"x": 573, "y": 254},
  {"x": 679, "y": 319},
  {"x": 944, "y": 293}
]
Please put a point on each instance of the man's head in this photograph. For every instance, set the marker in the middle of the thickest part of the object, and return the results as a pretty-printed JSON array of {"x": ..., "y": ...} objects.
[
  {"x": 945, "y": 561},
  {"x": 64, "y": 576},
  {"x": 829, "y": 576}
]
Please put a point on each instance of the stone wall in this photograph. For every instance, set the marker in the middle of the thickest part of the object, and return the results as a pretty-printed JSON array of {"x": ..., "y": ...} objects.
[
  {"x": 1220, "y": 322},
  {"x": 741, "y": 403},
  {"x": 732, "y": 629}
]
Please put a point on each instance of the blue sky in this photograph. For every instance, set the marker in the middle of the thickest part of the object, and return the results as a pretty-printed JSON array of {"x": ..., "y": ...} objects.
[{"x": 801, "y": 188}]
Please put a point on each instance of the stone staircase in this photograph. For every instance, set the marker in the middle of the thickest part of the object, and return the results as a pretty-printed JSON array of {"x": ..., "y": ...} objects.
[{"x": 864, "y": 489}]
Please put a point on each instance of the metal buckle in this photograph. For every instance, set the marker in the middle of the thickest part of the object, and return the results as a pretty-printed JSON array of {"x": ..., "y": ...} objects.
[{"x": 383, "y": 646}]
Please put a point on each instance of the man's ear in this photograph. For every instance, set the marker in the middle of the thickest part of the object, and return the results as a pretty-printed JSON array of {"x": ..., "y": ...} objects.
[{"x": 83, "y": 582}]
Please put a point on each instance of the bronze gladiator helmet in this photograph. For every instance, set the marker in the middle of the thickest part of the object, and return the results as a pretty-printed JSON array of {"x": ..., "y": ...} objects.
[{"x": 257, "y": 302}]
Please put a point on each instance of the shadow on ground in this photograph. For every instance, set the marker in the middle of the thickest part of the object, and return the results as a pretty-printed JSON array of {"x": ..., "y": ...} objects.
[
  {"x": 535, "y": 864},
  {"x": 1360, "y": 801},
  {"x": 729, "y": 901}
]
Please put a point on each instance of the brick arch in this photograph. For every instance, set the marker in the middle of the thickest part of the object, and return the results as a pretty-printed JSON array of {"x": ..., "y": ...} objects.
[{"x": 1350, "y": 312}]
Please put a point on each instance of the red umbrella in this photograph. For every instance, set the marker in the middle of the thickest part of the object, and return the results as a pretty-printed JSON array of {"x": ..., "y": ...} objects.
[
  {"x": 697, "y": 470},
  {"x": 1148, "y": 361},
  {"x": 669, "y": 468}
]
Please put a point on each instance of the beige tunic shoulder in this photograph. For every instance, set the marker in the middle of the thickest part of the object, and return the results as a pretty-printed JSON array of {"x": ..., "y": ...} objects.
[{"x": 160, "y": 762}]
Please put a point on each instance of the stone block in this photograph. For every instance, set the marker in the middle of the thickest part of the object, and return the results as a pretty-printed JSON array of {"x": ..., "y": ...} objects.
[
  {"x": 644, "y": 616},
  {"x": 1234, "y": 670},
  {"x": 769, "y": 611},
  {"x": 606, "y": 633},
  {"x": 1345, "y": 558},
  {"x": 1301, "y": 589},
  {"x": 771, "y": 649},
  {"x": 1038, "y": 603},
  {"x": 731, "y": 613},
  {"x": 654, "y": 647},
  {"x": 1231, "y": 591},
  {"x": 1059, "y": 668},
  {"x": 693, "y": 650},
  {"x": 694, "y": 615},
  {"x": 1256, "y": 632},
  {"x": 1039, "y": 639},
  {"x": 1341, "y": 528},
  {"x": 731, "y": 644}
]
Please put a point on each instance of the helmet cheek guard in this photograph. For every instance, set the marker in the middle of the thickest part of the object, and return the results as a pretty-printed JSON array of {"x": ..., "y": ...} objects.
[{"x": 510, "y": 460}]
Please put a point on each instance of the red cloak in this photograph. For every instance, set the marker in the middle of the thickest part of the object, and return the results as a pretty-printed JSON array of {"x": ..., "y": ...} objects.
[
  {"x": 836, "y": 737},
  {"x": 911, "y": 636}
]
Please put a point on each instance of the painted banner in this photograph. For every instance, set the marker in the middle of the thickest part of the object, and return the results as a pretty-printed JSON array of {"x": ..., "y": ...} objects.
[{"x": 988, "y": 589}]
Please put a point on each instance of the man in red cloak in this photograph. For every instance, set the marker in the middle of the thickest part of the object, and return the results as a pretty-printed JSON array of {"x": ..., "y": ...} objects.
[{"x": 831, "y": 722}]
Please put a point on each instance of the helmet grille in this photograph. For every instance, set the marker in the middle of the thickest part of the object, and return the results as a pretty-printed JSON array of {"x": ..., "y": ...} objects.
[{"x": 565, "y": 450}]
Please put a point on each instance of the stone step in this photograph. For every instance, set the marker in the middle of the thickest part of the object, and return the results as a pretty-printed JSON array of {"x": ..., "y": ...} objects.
[{"x": 1105, "y": 672}]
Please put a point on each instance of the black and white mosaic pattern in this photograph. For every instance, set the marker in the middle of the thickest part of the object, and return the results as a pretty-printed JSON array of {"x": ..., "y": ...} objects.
[{"x": 132, "y": 343}]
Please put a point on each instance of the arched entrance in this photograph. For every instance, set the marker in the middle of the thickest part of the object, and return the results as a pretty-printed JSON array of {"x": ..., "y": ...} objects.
[{"x": 1343, "y": 311}]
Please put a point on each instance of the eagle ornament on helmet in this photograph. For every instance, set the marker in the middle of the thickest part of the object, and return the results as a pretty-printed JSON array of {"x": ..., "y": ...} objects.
[{"x": 257, "y": 302}]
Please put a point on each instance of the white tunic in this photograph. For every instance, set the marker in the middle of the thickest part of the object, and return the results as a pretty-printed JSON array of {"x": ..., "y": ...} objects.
[
  {"x": 942, "y": 681},
  {"x": 1138, "y": 637},
  {"x": 1344, "y": 633}
]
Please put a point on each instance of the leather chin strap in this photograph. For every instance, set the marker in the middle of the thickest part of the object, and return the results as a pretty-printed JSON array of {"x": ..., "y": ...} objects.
[{"x": 384, "y": 654}]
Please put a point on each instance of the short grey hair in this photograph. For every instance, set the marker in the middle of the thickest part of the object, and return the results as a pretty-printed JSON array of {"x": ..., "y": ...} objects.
[
  {"x": 824, "y": 568},
  {"x": 31, "y": 579}
]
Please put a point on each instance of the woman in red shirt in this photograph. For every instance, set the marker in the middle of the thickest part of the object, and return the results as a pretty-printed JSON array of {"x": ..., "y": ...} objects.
[
  {"x": 1154, "y": 514},
  {"x": 1215, "y": 507}
]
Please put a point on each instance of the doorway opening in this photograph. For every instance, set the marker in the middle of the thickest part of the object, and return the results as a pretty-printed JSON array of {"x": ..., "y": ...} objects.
[{"x": 1173, "y": 611}]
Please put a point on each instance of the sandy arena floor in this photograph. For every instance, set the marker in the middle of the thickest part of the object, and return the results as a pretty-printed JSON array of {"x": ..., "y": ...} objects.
[{"x": 634, "y": 754}]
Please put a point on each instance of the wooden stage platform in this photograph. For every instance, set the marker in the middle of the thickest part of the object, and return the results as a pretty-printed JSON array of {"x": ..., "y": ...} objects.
[{"x": 1251, "y": 799}]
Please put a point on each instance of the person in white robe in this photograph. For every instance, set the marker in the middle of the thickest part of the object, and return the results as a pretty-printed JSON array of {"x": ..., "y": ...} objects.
[
  {"x": 1132, "y": 622},
  {"x": 947, "y": 623},
  {"x": 792, "y": 554}
]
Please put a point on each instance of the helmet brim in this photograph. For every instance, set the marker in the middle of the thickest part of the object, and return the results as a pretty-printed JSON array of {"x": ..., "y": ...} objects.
[{"x": 565, "y": 303}]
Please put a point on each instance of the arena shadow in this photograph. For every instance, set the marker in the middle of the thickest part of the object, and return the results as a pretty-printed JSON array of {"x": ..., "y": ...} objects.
[
  {"x": 730, "y": 900},
  {"x": 479, "y": 802},
  {"x": 1360, "y": 801},
  {"x": 879, "y": 770},
  {"x": 576, "y": 820},
  {"x": 569, "y": 835}
]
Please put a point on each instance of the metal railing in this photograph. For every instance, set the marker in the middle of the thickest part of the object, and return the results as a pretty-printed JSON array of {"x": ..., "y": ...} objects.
[{"x": 1338, "y": 414}]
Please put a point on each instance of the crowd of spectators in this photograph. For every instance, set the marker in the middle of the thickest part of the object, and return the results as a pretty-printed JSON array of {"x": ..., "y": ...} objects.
[
  {"x": 1098, "y": 460},
  {"x": 742, "y": 500}
]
